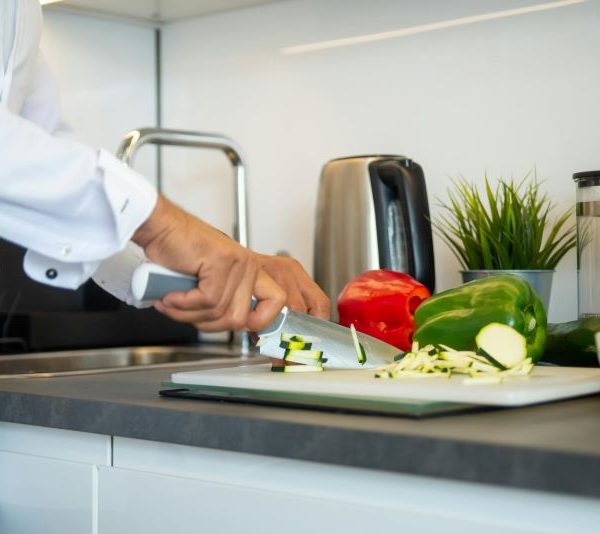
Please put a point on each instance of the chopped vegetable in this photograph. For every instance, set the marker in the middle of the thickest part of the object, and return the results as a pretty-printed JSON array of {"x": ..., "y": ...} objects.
[
  {"x": 298, "y": 356},
  {"x": 306, "y": 357},
  {"x": 296, "y": 368},
  {"x": 443, "y": 361},
  {"x": 360, "y": 350},
  {"x": 457, "y": 315},
  {"x": 287, "y": 337},
  {"x": 382, "y": 304},
  {"x": 295, "y": 345},
  {"x": 502, "y": 345}
]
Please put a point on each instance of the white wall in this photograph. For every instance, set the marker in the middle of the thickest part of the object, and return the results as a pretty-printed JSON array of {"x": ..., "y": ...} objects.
[
  {"x": 499, "y": 96},
  {"x": 105, "y": 70}
]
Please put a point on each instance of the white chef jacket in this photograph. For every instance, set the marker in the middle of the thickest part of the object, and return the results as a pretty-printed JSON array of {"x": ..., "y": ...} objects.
[{"x": 70, "y": 205}]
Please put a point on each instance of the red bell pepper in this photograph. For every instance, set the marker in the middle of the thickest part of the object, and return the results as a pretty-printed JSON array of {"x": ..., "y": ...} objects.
[{"x": 382, "y": 304}]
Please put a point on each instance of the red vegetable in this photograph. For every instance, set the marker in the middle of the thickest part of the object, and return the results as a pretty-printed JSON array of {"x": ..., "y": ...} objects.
[{"x": 382, "y": 304}]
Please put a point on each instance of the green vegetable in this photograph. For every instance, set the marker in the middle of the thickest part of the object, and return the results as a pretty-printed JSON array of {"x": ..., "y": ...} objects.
[
  {"x": 501, "y": 345},
  {"x": 361, "y": 354},
  {"x": 573, "y": 343},
  {"x": 298, "y": 351},
  {"x": 444, "y": 361},
  {"x": 310, "y": 357},
  {"x": 455, "y": 317},
  {"x": 287, "y": 337},
  {"x": 296, "y": 369},
  {"x": 295, "y": 345}
]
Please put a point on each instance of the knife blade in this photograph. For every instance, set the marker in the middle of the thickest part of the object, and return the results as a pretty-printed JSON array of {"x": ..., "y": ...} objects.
[
  {"x": 334, "y": 340},
  {"x": 152, "y": 282}
]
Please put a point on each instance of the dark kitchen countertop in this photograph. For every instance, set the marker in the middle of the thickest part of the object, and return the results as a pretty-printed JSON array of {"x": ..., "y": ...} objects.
[{"x": 552, "y": 447}]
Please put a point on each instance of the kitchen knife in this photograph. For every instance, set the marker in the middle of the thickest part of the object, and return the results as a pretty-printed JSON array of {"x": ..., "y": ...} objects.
[
  {"x": 334, "y": 340},
  {"x": 152, "y": 282}
]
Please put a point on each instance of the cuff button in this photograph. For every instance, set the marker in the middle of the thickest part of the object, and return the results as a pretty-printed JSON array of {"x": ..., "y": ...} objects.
[{"x": 51, "y": 274}]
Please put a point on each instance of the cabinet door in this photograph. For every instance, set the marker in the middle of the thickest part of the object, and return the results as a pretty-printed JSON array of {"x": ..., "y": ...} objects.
[
  {"x": 44, "y": 495},
  {"x": 134, "y": 501},
  {"x": 159, "y": 487}
]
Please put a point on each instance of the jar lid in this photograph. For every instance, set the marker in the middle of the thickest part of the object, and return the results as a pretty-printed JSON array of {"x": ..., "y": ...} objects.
[{"x": 587, "y": 178}]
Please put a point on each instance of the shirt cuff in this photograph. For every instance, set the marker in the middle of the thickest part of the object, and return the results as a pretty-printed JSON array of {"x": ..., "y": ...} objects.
[
  {"x": 115, "y": 273},
  {"x": 57, "y": 273},
  {"x": 131, "y": 197}
]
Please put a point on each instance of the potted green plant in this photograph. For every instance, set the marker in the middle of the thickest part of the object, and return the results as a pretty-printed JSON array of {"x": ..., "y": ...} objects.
[{"x": 506, "y": 229}]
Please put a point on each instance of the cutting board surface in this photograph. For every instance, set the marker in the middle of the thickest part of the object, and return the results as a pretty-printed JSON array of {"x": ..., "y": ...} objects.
[{"x": 544, "y": 384}]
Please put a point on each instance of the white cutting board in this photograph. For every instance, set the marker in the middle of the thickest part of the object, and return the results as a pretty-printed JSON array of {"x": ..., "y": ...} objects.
[{"x": 544, "y": 384}]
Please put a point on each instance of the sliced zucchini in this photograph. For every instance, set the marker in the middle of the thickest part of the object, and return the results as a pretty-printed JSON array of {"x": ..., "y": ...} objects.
[
  {"x": 484, "y": 367},
  {"x": 501, "y": 345},
  {"x": 481, "y": 367},
  {"x": 360, "y": 350},
  {"x": 314, "y": 355},
  {"x": 295, "y": 358},
  {"x": 297, "y": 369},
  {"x": 287, "y": 337},
  {"x": 295, "y": 345},
  {"x": 419, "y": 374}
]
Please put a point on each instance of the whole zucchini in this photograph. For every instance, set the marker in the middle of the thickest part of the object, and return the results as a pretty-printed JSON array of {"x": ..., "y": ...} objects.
[{"x": 573, "y": 343}]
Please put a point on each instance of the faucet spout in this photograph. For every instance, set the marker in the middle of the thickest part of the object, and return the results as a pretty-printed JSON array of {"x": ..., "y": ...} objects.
[{"x": 135, "y": 139}]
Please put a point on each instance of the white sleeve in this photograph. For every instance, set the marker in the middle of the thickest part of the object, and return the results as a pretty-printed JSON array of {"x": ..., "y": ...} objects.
[
  {"x": 70, "y": 205},
  {"x": 42, "y": 103}
]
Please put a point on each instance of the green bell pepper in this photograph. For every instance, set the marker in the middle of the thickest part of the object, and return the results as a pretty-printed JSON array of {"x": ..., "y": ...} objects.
[{"x": 454, "y": 317}]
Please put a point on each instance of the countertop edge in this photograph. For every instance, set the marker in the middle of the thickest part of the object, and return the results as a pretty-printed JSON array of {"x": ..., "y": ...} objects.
[{"x": 462, "y": 460}]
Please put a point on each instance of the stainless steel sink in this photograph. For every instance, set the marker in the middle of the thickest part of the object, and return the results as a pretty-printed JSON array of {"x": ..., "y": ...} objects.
[{"x": 66, "y": 363}]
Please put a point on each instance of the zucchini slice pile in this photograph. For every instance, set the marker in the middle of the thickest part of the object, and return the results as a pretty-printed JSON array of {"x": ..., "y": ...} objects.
[
  {"x": 298, "y": 355},
  {"x": 501, "y": 353}
]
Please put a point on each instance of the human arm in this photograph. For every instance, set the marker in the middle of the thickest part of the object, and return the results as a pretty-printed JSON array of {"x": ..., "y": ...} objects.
[
  {"x": 69, "y": 204},
  {"x": 229, "y": 274}
]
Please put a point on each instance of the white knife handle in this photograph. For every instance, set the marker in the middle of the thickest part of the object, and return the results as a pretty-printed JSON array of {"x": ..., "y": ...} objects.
[{"x": 152, "y": 282}]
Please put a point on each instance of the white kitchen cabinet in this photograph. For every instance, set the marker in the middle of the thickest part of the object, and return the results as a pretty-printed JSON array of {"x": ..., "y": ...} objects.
[
  {"x": 42, "y": 495},
  {"x": 58, "y": 481},
  {"x": 135, "y": 501},
  {"x": 48, "y": 479},
  {"x": 157, "y": 486}
]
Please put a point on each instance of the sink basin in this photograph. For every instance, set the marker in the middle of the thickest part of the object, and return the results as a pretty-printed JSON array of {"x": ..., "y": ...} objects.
[{"x": 66, "y": 363}]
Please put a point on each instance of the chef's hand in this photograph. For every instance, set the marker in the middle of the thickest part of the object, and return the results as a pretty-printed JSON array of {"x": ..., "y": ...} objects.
[
  {"x": 229, "y": 274},
  {"x": 303, "y": 294}
]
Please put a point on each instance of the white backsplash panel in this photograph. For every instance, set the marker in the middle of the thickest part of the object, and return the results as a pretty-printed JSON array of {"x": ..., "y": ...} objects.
[
  {"x": 499, "y": 94},
  {"x": 105, "y": 71}
]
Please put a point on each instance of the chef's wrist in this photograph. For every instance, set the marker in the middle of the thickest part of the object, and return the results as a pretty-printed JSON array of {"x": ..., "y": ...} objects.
[{"x": 161, "y": 222}]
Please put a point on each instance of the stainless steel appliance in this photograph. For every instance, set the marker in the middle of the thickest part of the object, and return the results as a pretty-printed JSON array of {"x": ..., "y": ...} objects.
[
  {"x": 372, "y": 213},
  {"x": 588, "y": 242}
]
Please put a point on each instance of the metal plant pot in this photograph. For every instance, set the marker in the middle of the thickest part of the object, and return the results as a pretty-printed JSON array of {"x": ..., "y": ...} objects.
[{"x": 540, "y": 280}]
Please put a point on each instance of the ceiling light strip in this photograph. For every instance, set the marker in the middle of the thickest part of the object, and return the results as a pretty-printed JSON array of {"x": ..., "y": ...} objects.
[{"x": 373, "y": 37}]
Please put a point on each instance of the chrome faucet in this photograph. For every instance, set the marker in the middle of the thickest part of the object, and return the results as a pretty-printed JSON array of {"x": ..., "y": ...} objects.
[{"x": 135, "y": 139}]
